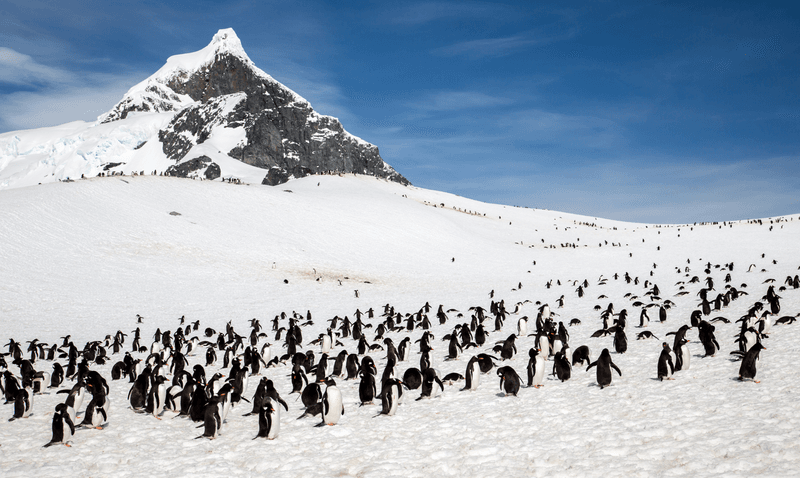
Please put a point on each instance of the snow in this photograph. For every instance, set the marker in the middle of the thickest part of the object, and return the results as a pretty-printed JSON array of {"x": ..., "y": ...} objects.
[
  {"x": 79, "y": 148},
  {"x": 85, "y": 257}
]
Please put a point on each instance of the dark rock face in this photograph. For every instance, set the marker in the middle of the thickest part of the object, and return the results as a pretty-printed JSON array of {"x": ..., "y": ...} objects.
[
  {"x": 213, "y": 171},
  {"x": 185, "y": 168},
  {"x": 284, "y": 135}
]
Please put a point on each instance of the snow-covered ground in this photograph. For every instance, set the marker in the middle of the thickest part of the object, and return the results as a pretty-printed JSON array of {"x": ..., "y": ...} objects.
[{"x": 84, "y": 257}]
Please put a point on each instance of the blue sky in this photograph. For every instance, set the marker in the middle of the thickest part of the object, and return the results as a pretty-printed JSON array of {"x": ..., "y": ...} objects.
[{"x": 650, "y": 112}]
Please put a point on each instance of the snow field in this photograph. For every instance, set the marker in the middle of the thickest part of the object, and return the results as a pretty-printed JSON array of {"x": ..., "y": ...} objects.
[{"x": 85, "y": 257}]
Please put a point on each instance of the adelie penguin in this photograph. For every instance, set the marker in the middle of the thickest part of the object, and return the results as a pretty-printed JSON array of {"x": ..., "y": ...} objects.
[
  {"x": 509, "y": 380},
  {"x": 63, "y": 427},
  {"x": 604, "y": 365},
  {"x": 665, "y": 366}
]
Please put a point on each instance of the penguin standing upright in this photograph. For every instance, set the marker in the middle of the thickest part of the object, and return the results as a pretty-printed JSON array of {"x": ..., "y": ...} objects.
[
  {"x": 269, "y": 420},
  {"x": 23, "y": 401},
  {"x": 97, "y": 410},
  {"x": 332, "y": 406},
  {"x": 367, "y": 388},
  {"x": 665, "y": 366},
  {"x": 391, "y": 395},
  {"x": 211, "y": 419},
  {"x": 63, "y": 428},
  {"x": 561, "y": 367},
  {"x": 535, "y": 368},
  {"x": 604, "y": 365},
  {"x": 473, "y": 374}
]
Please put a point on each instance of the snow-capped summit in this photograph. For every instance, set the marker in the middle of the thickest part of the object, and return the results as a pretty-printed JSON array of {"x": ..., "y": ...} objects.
[{"x": 210, "y": 113}]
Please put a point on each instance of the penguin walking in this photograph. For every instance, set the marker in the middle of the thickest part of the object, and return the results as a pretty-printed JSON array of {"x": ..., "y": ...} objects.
[
  {"x": 749, "y": 361},
  {"x": 332, "y": 406},
  {"x": 63, "y": 427},
  {"x": 665, "y": 366},
  {"x": 535, "y": 368},
  {"x": 269, "y": 420},
  {"x": 509, "y": 380},
  {"x": 604, "y": 366}
]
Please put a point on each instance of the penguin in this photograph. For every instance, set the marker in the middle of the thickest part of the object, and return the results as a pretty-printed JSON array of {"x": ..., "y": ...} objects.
[
  {"x": 707, "y": 338},
  {"x": 604, "y": 366},
  {"x": 485, "y": 362},
  {"x": 299, "y": 379},
  {"x": 644, "y": 319},
  {"x": 561, "y": 367},
  {"x": 352, "y": 366},
  {"x": 269, "y": 420},
  {"x": 522, "y": 327},
  {"x": 682, "y": 355},
  {"x": 367, "y": 388},
  {"x": 311, "y": 394},
  {"x": 74, "y": 399},
  {"x": 472, "y": 375},
  {"x": 339, "y": 363},
  {"x": 454, "y": 348},
  {"x": 63, "y": 427},
  {"x": 211, "y": 419},
  {"x": 390, "y": 396},
  {"x": 581, "y": 356},
  {"x": 332, "y": 406},
  {"x": 432, "y": 386},
  {"x": 749, "y": 361},
  {"x": 665, "y": 366},
  {"x": 23, "y": 402},
  {"x": 97, "y": 411},
  {"x": 156, "y": 398},
  {"x": 57, "y": 377},
  {"x": 535, "y": 368},
  {"x": 509, "y": 380},
  {"x": 413, "y": 378},
  {"x": 620, "y": 340}
]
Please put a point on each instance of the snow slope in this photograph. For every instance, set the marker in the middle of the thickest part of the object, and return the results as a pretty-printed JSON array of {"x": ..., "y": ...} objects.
[{"x": 83, "y": 258}]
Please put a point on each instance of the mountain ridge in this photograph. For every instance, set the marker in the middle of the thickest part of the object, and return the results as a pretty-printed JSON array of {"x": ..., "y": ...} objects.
[{"x": 218, "y": 109}]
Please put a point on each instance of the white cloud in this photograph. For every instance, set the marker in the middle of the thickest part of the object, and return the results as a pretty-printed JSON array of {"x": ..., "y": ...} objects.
[{"x": 20, "y": 69}]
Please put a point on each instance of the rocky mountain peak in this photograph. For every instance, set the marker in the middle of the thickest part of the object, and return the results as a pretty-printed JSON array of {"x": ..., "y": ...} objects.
[{"x": 219, "y": 89}]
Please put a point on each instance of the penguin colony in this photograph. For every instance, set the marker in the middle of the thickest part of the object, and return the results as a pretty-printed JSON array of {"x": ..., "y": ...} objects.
[{"x": 201, "y": 374}]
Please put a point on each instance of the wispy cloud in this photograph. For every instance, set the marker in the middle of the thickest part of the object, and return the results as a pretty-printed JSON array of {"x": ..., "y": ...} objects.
[
  {"x": 499, "y": 47},
  {"x": 51, "y": 106},
  {"x": 47, "y": 96},
  {"x": 459, "y": 100},
  {"x": 22, "y": 70}
]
